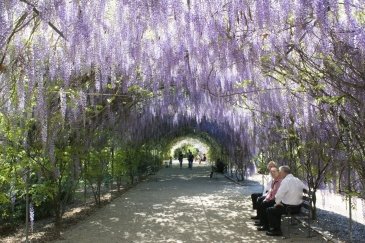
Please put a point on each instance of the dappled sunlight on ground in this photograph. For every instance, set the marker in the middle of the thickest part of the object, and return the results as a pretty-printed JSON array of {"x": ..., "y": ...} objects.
[{"x": 177, "y": 205}]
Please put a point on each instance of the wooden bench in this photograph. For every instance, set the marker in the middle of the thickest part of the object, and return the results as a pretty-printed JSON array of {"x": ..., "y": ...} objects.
[
  {"x": 149, "y": 170},
  {"x": 214, "y": 170},
  {"x": 305, "y": 212}
]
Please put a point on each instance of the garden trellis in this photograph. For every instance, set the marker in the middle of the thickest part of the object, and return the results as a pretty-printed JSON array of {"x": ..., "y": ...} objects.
[{"x": 279, "y": 78}]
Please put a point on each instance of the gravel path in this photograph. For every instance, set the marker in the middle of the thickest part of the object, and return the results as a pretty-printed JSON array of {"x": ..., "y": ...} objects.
[{"x": 179, "y": 205}]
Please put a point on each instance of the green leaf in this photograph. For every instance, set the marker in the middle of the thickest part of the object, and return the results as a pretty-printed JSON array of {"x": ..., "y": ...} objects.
[{"x": 4, "y": 198}]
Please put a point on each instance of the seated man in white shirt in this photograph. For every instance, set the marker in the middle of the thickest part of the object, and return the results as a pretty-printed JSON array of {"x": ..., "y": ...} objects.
[
  {"x": 290, "y": 193},
  {"x": 257, "y": 198}
]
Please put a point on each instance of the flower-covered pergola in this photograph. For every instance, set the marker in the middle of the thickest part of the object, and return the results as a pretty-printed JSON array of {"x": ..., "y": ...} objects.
[{"x": 280, "y": 79}]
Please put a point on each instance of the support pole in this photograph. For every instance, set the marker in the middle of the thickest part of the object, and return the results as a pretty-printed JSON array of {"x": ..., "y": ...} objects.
[
  {"x": 349, "y": 183},
  {"x": 27, "y": 205},
  {"x": 350, "y": 201}
]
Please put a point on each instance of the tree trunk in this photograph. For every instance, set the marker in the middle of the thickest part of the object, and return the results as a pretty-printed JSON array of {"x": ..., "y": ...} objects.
[
  {"x": 119, "y": 182},
  {"x": 57, "y": 213},
  {"x": 314, "y": 207},
  {"x": 58, "y": 206},
  {"x": 131, "y": 178},
  {"x": 95, "y": 192},
  {"x": 112, "y": 172},
  {"x": 85, "y": 181},
  {"x": 99, "y": 192}
]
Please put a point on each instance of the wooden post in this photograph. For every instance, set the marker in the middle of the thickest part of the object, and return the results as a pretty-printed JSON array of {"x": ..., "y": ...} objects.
[
  {"x": 27, "y": 205},
  {"x": 350, "y": 200},
  {"x": 112, "y": 172},
  {"x": 85, "y": 182},
  {"x": 349, "y": 182}
]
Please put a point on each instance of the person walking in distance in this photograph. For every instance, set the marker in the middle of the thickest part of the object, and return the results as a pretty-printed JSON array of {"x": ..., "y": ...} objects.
[
  {"x": 181, "y": 157},
  {"x": 170, "y": 162},
  {"x": 190, "y": 159},
  {"x": 204, "y": 158}
]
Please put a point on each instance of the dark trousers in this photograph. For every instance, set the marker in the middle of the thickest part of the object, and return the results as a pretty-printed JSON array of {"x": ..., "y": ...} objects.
[
  {"x": 254, "y": 197},
  {"x": 274, "y": 215},
  {"x": 258, "y": 204},
  {"x": 190, "y": 164},
  {"x": 262, "y": 213},
  {"x": 180, "y": 161}
]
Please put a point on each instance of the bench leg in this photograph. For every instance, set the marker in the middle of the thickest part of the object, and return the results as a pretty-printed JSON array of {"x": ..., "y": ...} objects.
[
  {"x": 289, "y": 228},
  {"x": 289, "y": 224}
]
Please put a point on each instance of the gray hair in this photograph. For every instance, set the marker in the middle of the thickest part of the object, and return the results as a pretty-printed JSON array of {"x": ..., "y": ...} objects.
[
  {"x": 285, "y": 169},
  {"x": 271, "y": 164}
]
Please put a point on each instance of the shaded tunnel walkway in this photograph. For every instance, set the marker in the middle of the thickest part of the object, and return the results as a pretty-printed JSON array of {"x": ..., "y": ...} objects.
[{"x": 177, "y": 205}]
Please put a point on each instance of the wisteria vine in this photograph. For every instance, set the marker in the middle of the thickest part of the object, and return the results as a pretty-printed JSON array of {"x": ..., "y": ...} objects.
[{"x": 267, "y": 70}]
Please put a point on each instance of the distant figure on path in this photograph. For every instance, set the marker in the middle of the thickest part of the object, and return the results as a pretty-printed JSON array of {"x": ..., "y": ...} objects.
[
  {"x": 181, "y": 157},
  {"x": 197, "y": 158},
  {"x": 170, "y": 163},
  {"x": 190, "y": 159},
  {"x": 204, "y": 158}
]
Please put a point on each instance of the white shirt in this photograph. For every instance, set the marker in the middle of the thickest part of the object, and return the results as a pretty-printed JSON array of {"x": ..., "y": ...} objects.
[
  {"x": 290, "y": 191},
  {"x": 267, "y": 187}
]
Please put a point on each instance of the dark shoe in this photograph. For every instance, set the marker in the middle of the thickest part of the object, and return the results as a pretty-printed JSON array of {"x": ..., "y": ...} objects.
[
  {"x": 262, "y": 228},
  {"x": 255, "y": 217},
  {"x": 274, "y": 233},
  {"x": 258, "y": 224}
]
